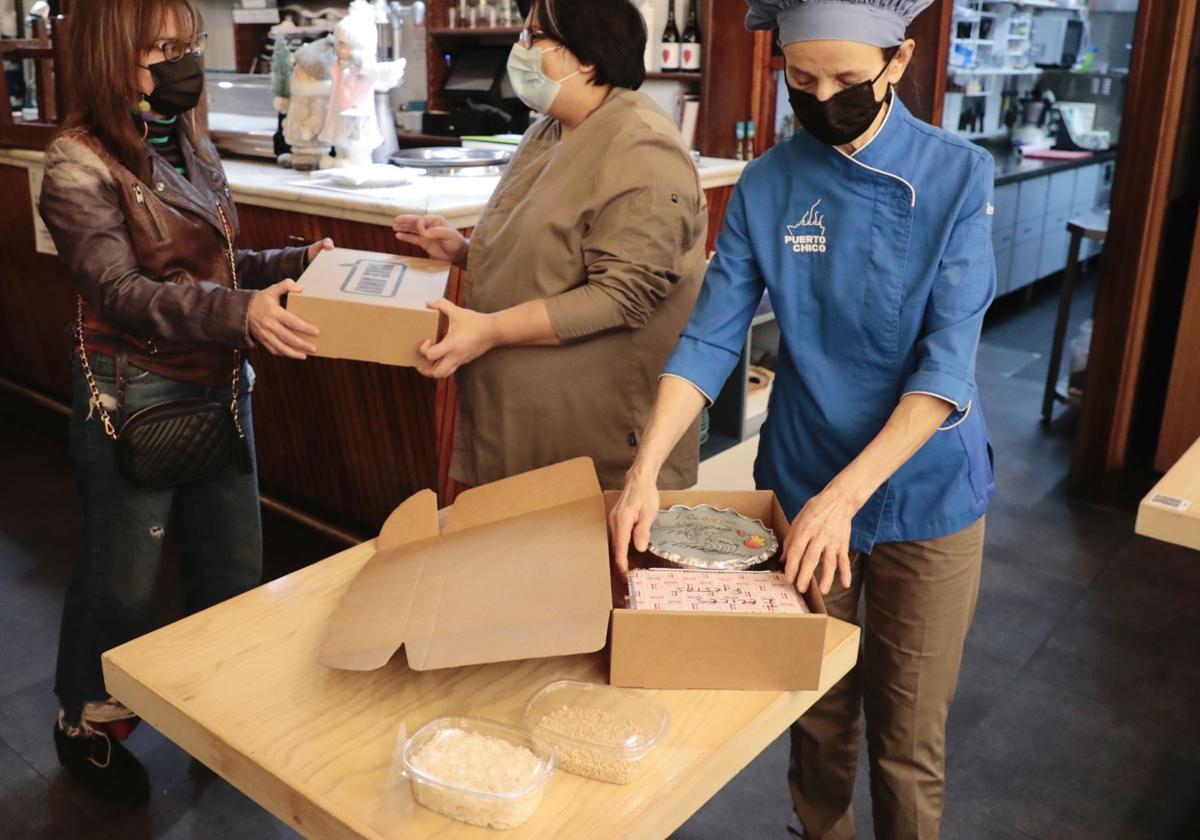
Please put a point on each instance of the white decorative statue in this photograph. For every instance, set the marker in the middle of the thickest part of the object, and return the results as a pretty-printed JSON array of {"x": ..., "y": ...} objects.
[
  {"x": 312, "y": 69},
  {"x": 351, "y": 124}
]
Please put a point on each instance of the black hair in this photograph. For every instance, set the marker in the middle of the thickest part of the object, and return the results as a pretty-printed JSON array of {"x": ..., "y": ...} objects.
[{"x": 610, "y": 35}]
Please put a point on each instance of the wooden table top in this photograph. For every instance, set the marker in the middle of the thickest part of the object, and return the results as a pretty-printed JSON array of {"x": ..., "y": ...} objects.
[
  {"x": 1171, "y": 511},
  {"x": 238, "y": 687}
]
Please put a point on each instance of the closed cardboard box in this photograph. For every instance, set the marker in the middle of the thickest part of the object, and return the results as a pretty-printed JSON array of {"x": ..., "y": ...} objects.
[
  {"x": 522, "y": 570},
  {"x": 371, "y": 307}
]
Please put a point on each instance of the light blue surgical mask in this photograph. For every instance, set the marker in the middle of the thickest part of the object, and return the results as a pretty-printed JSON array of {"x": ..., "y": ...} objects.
[{"x": 533, "y": 87}]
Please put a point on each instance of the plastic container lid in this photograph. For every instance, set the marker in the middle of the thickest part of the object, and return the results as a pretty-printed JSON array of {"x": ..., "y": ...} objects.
[{"x": 649, "y": 717}]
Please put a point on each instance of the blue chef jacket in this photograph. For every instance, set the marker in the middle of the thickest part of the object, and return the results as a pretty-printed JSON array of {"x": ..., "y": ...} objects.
[{"x": 880, "y": 268}]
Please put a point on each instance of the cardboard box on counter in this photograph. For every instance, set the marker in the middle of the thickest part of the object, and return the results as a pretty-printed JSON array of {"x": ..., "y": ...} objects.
[
  {"x": 521, "y": 570},
  {"x": 369, "y": 306}
]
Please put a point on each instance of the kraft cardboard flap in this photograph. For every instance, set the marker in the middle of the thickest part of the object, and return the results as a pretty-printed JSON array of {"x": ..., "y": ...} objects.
[
  {"x": 525, "y": 575},
  {"x": 537, "y": 490},
  {"x": 696, "y": 650}
]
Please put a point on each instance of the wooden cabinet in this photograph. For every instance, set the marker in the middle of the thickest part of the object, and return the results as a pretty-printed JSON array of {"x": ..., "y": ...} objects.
[{"x": 725, "y": 85}]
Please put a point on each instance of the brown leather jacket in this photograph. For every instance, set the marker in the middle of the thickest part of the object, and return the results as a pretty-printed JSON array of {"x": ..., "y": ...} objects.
[{"x": 149, "y": 258}]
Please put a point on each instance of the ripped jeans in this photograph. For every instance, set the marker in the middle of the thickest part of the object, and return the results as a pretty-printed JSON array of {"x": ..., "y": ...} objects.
[{"x": 215, "y": 522}]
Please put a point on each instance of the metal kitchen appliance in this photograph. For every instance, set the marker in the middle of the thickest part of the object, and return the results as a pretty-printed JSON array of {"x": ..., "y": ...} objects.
[
  {"x": 452, "y": 160},
  {"x": 1074, "y": 125}
]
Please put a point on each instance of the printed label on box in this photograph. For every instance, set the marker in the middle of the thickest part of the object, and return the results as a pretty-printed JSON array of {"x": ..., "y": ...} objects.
[
  {"x": 1177, "y": 505},
  {"x": 373, "y": 278}
]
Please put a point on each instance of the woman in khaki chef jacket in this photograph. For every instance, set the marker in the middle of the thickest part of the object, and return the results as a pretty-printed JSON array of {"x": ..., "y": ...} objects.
[{"x": 583, "y": 267}]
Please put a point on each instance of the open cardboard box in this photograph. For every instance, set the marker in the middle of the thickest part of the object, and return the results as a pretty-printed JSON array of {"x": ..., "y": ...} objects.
[
  {"x": 521, "y": 570},
  {"x": 370, "y": 306},
  {"x": 652, "y": 649}
]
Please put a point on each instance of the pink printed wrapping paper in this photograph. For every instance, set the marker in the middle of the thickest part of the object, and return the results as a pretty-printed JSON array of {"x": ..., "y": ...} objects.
[{"x": 689, "y": 590}]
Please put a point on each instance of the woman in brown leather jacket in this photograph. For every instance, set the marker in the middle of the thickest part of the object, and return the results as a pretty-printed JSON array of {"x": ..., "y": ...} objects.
[{"x": 137, "y": 203}]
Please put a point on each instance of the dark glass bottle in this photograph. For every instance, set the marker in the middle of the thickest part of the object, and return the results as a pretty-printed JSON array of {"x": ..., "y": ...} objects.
[
  {"x": 669, "y": 49},
  {"x": 692, "y": 48}
]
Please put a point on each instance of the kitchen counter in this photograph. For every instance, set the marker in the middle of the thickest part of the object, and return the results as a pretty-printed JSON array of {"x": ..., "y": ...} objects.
[
  {"x": 356, "y": 464},
  {"x": 460, "y": 199},
  {"x": 1011, "y": 167},
  {"x": 1171, "y": 510}
]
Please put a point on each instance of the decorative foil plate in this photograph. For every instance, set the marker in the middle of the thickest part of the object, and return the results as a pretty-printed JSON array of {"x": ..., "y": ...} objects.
[{"x": 706, "y": 537}]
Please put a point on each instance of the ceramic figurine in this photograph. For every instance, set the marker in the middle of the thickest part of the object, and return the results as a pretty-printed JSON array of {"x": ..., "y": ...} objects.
[
  {"x": 351, "y": 123},
  {"x": 281, "y": 80},
  {"x": 311, "y": 80}
]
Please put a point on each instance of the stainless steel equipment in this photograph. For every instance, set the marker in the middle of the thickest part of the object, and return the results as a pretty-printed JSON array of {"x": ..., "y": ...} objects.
[
  {"x": 452, "y": 160},
  {"x": 1057, "y": 38},
  {"x": 241, "y": 115}
]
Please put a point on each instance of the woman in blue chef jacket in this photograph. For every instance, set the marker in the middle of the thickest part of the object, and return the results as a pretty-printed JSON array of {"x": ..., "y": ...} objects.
[{"x": 871, "y": 231}]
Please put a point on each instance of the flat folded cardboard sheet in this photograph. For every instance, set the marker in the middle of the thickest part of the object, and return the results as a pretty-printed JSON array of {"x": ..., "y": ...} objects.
[
  {"x": 698, "y": 650},
  {"x": 519, "y": 572},
  {"x": 370, "y": 306}
]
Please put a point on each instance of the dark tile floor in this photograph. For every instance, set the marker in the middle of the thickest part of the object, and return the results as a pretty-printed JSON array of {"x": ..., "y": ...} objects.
[{"x": 1076, "y": 709}]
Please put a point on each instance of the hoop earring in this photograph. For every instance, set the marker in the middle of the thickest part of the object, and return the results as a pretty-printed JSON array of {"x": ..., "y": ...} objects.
[{"x": 145, "y": 129}]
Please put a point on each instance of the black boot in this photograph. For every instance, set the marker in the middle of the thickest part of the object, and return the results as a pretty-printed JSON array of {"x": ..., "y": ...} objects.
[{"x": 102, "y": 764}]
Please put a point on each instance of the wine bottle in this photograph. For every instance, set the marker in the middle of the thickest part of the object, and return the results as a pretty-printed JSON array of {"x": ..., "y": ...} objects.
[
  {"x": 669, "y": 49},
  {"x": 690, "y": 49}
]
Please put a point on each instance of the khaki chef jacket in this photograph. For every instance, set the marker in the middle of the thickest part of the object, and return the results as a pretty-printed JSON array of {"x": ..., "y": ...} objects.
[{"x": 609, "y": 227}]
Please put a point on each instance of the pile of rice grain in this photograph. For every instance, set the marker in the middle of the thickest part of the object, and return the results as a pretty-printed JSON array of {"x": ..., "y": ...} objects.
[
  {"x": 479, "y": 762},
  {"x": 596, "y": 727}
]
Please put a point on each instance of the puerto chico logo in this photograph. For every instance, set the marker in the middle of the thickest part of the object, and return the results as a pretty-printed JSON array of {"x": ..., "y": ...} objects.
[{"x": 808, "y": 235}]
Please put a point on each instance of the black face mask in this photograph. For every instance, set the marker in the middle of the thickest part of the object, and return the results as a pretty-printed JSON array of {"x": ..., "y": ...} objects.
[
  {"x": 843, "y": 116},
  {"x": 177, "y": 85}
]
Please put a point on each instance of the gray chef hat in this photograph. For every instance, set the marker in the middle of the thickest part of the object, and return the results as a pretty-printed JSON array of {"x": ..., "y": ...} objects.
[{"x": 880, "y": 23}]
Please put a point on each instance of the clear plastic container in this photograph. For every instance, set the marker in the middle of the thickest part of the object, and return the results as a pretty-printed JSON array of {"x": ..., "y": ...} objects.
[
  {"x": 456, "y": 773},
  {"x": 596, "y": 731}
]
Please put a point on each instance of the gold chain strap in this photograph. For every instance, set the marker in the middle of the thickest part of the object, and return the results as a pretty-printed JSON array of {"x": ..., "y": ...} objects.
[
  {"x": 237, "y": 354},
  {"x": 87, "y": 371},
  {"x": 109, "y": 428}
]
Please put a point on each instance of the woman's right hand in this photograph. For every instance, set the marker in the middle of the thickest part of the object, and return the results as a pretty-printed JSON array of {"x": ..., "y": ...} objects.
[
  {"x": 280, "y": 331},
  {"x": 436, "y": 236},
  {"x": 633, "y": 515}
]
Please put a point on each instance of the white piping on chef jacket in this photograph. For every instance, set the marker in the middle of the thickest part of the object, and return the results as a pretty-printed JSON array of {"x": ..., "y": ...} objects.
[
  {"x": 690, "y": 382},
  {"x": 851, "y": 158},
  {"x": 957, "y": 422}
]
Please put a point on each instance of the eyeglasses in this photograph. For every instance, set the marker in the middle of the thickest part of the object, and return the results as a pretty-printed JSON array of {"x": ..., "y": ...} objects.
[
  {"x": 530, "y": 34},
  {"x": 174, "y": 50}
]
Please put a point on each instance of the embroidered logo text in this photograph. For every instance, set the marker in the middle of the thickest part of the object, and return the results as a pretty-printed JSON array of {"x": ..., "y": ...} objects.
[{"x": 808, "y": 235}]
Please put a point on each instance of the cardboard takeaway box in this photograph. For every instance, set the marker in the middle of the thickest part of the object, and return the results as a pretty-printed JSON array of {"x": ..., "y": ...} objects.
[
  {"x": 521, "y": 570},
  {"x": 369, "y": 306}
]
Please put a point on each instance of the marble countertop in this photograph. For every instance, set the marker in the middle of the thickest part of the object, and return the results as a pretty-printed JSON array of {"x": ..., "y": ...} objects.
[{"x": 460, "y": 199}]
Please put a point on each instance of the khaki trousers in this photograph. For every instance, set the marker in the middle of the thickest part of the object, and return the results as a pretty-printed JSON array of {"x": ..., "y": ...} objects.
[{"x": 920, "y": 597}]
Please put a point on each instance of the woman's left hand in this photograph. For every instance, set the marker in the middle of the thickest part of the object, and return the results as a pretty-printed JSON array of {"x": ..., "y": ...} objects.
[
  {"x": 470, "y": 335},
  {"x": 820, "y": 536},
  {"x": 325, "y": 244}
]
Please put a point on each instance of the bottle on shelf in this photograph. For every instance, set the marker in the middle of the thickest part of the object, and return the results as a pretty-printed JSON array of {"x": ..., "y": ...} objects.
[
  {"x": 740, "y": 146},
  {"x": 646, "y": 9},
  {"x": 751, "y": 132},
  {"x": 669, "y": 44},
  {"x": 691, "y": 45}
]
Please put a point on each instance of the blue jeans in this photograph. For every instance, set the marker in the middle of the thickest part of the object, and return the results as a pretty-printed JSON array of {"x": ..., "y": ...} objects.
[{"x": 216, "y": 523}]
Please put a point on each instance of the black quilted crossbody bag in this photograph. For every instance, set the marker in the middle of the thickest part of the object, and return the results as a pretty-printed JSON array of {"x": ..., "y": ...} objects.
[{"x": 178, "y": 441}]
